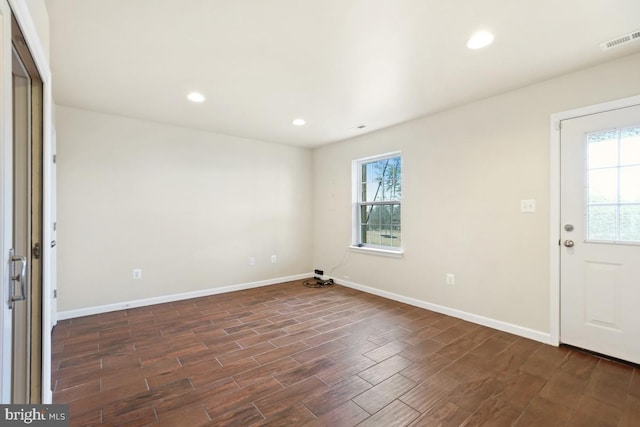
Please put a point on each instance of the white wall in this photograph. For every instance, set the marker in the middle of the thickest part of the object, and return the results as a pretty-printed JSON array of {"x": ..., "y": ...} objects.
[
  {"x": 465, "y": 171},
  {"x": 187, "y": 207},
  {"x": 136, "y": 194}
]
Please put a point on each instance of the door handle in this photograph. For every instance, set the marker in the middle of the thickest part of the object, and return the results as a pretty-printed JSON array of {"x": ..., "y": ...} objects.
[
  {"x": 568, "y": 243},
  {"x": 19, "y": 277}
]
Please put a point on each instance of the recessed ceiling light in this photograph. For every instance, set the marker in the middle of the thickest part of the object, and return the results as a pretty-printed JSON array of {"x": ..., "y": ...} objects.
[
  {"x": 195, "y": 97},
  {"x": 479, "y": 40},
  {"x": 299, "y": 122}
]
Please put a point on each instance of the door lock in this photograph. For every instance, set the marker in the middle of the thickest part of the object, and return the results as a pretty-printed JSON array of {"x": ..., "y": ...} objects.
[
  {"x": 37, "y": 252},
  {"x": 568, "y": 243}
]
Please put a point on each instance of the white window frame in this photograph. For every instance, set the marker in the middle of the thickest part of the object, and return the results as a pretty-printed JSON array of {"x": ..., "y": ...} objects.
[{"x": 356, "y": 179}]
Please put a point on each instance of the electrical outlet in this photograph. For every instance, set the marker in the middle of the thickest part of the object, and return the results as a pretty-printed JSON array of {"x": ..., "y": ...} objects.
[
  {"x": 274, "y": 259},
  {"x": 451, "y": 279},
  {"x": 252, "y": 261},
  {"x": 137, "y": 273}
]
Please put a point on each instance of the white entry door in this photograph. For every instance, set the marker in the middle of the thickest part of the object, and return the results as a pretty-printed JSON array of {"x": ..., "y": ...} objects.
[{"x": 600, "y": 233}]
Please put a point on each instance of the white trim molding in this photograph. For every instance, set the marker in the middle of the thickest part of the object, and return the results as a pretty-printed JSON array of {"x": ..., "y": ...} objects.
[
  {"x": 554, "y": 201},
  {"x": 375, "y": 251},
  {"x": 522, "y": 331},
  {"x": 25, "y": 21},
  {"x": 70, "y": 314},
  {"x": 6, "y": 201},
  {"x": 481, "y": 320}
]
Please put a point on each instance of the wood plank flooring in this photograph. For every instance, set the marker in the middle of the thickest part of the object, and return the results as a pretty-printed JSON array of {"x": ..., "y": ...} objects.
[{"x": 288, "y": 355}]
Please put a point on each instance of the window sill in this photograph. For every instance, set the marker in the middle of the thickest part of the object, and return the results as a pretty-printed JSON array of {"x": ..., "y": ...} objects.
[{"x": 379, "y": 252}]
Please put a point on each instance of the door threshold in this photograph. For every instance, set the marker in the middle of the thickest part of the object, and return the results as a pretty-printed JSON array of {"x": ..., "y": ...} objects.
[{"x": 601, "y": 356}]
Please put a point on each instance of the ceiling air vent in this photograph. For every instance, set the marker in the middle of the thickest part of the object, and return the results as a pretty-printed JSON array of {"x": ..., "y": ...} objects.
[{"x": 618, "y": 41}]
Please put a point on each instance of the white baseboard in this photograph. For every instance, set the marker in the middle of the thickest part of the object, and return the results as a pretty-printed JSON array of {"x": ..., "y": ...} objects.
[
  {"x": 543, "y": 337},
  {"x": 70, "y": 314},
  {"x": 522, "y": 331}
]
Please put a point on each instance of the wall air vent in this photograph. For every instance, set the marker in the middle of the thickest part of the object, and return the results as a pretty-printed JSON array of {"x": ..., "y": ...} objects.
[{"x": 618, "y": 41}]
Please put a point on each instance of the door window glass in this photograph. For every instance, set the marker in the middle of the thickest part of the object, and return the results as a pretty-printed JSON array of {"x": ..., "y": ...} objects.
[{"x": 613, "y": 185}]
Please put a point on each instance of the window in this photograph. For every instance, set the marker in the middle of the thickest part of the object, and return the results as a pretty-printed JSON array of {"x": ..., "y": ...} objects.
[
  {"x": 613, "y": 190},
  {"x": 377, "y": 195}
]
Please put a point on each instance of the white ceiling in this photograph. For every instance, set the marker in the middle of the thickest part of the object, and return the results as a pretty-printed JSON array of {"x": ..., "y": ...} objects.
[{"x": 336, "y": 63}]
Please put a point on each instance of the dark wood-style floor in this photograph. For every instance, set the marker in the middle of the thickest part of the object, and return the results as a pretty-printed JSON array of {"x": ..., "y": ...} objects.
[{"x": 287, "y": 355}]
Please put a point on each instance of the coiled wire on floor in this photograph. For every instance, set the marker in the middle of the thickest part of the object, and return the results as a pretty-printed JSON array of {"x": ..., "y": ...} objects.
[{"x": 317, "y": 282}]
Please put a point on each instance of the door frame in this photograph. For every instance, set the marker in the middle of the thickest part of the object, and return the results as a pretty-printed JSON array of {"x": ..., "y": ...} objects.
[
  {"x": 554, "y": 201},
  {"x": 23, "y": 17}
]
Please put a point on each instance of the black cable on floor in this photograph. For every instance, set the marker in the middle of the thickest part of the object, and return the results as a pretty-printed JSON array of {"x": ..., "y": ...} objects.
[{"x": 316, "y": 282}]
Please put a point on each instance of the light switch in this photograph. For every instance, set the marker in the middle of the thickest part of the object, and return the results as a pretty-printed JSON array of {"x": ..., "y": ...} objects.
[{"x": 528, "y": 205}]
